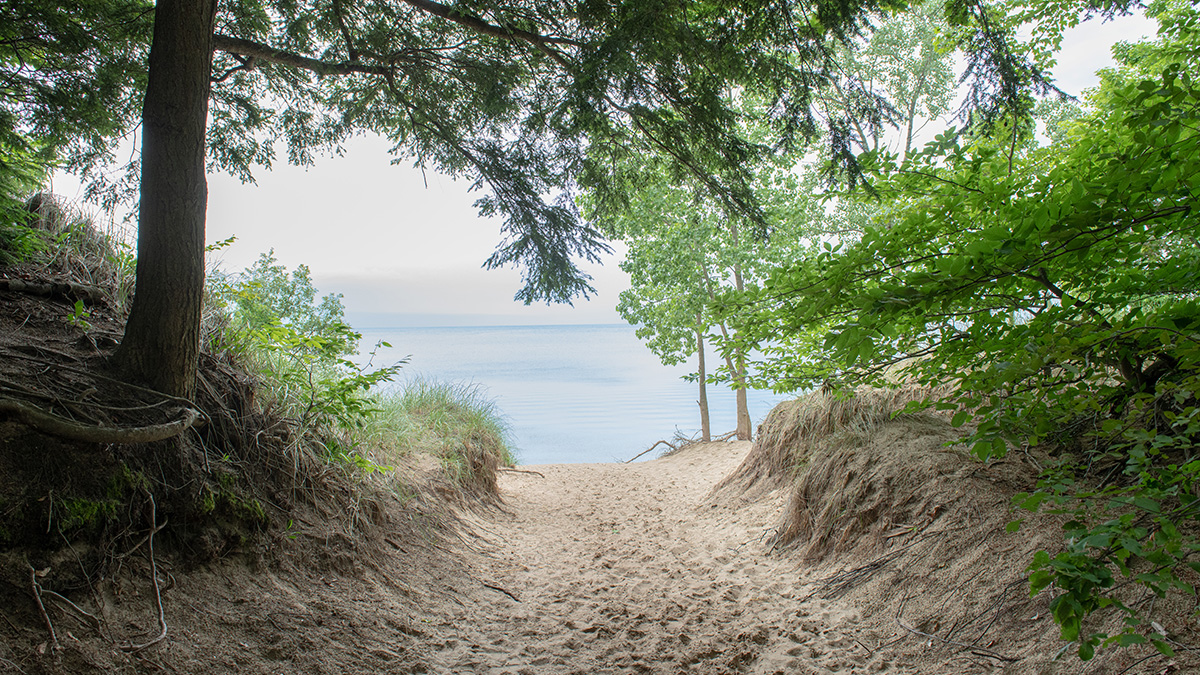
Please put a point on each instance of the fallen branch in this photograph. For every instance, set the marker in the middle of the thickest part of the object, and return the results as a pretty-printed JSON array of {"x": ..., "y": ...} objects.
[
  {"x": 62, "y": 427},
  {"x": 54, "y": 289},
  {"x": 508, "y": 469}
]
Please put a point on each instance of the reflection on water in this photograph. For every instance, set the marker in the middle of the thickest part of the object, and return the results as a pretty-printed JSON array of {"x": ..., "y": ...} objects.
[{"x": 570, "y": 393}]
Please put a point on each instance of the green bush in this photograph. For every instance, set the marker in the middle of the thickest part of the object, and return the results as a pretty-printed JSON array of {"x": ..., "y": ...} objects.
[
  {"x": 300, "y": 347},
  {"x": 1056, "y": 290}
]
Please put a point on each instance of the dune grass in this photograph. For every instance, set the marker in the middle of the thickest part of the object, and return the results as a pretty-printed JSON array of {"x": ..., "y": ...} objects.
[{"x": 455, "y": 423}]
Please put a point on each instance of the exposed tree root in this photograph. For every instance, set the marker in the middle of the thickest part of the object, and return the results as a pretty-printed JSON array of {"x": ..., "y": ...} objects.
[
  {"x": 61, "y": 427},
  {"x": 54, "y": 289},
  {"x": 36, "y": 588},
  {"x": 162, "y": 617}
]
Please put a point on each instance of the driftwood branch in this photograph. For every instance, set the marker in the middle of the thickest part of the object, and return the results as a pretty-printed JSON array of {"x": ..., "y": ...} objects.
[
  {"x": 508, "y": 469},
  {"x": 666, "y": 443},
  {"x": 61, "y": 427},
  {"x": 682, "y": 441},
  {"x": 54, "y": 289}
]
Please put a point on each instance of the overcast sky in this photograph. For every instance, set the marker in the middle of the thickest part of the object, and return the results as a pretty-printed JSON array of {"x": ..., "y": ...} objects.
[{"x": 392, "y": 246}]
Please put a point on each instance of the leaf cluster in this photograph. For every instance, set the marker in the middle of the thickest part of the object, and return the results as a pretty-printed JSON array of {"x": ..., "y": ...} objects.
[
  {"x": 1056, "y": 289},
  {"x": 72, "y": 76},
  {"x": 530, "y": 101},
  {"x": 302, "y": 348},
  {"x": 23, "y": 169}
]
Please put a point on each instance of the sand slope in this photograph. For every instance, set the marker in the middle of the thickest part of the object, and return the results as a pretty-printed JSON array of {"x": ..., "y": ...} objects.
[{"x": 625, "y": 568}]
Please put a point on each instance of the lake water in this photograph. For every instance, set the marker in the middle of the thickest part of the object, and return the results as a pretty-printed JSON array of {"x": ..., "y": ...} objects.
[{"x": 569, "y": 393}]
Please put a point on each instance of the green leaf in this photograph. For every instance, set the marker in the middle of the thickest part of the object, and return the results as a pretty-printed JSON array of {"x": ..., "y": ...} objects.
[
  {"x": 1086, "y": 650},
  {"x": 1163, "y": 648},
  {"x": 1147, "y": 504},
  {"x": 1126, "y": 639}
]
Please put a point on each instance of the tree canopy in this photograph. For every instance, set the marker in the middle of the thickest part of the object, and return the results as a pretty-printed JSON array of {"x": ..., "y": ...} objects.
[{"x": 684, "y": 249}]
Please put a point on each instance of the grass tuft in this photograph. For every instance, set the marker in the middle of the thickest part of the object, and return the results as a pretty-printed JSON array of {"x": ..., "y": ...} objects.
[{"x": 455, "y": 423}]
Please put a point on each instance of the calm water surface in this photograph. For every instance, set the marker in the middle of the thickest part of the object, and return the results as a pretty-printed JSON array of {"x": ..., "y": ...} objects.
[{"x": 569, "y": 393}]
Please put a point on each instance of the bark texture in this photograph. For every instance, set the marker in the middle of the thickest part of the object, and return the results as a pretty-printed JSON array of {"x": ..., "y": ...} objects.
[
  {"x": 162, "y": 337},
  {"x": 705, "y": 426}
]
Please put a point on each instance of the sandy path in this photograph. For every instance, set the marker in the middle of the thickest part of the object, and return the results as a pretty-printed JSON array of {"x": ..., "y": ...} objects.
[{"x": 624, "y": 568}]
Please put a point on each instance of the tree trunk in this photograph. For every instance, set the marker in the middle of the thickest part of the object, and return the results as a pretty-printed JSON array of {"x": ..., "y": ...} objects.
[
  {"x": 162, "y": 338},
  {"x": 744, "y": 423},
  {"x": 739, "y": 376},
  {"x": 705, "y": 427}
]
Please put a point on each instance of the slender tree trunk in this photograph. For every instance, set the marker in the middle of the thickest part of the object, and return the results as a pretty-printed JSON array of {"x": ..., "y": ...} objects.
[
  {"x": 736, "y": 370},
  {"x": 162, "y": 337},
  {"x": 705, "y": 427},
  {"x": 744, "y": 423}
]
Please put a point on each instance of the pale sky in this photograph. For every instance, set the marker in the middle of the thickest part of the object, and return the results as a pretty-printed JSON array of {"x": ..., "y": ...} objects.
[{"x": 392, "y": 246}]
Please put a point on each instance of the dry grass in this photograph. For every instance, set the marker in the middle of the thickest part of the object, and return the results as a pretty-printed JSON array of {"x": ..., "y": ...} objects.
[
  {"x": 84, "y": 249},
  {"x": 854, "y": 472},
  {"x": 794, "y": 429}
]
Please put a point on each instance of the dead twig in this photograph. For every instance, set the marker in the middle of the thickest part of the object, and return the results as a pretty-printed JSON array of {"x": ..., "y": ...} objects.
[
  {"x": 978, "y": 651},
  {"x": 512, "y": 470},
  {"x": 839, "y": 583},
  {"x": 37, "y": 597},
  {"x": 502, "y": 590},
  {"x": 666, "y": 443},
  {"x": 1139, "y": 662},
  {"x": 162, "y": 620}
]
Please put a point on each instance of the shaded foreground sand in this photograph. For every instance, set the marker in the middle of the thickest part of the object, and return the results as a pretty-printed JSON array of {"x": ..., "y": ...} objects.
[{"x": 607, "y": 568}]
